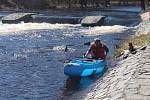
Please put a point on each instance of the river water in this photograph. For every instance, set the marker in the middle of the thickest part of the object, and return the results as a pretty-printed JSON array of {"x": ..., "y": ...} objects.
[{"x": 32, "y": 56}]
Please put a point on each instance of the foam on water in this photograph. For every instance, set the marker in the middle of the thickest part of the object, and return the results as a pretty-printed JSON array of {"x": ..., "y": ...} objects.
[
  {"x": 105, "y": 30},
  {"x": 6, "y": 29}
]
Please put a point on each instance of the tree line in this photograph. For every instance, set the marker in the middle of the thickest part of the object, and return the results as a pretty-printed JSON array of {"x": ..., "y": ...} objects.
[{"x": 48, "y": 4}]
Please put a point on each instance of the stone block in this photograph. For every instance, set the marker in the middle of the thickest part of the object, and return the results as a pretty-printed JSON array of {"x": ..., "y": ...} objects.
[
  {"x": 129, "y": 96},
  {"x": 92, "y": 21},
  {"x": 15, "y": 18},
  {"x": 145, "y": 90},
  {"x": 145, "y": 82}
]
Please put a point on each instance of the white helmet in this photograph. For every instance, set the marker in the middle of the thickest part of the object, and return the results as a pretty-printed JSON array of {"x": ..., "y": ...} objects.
[{"x": 97, "y": 39}]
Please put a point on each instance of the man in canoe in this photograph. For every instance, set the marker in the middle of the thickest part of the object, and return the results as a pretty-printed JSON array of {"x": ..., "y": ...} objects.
[{"x": 97, "y": 50}]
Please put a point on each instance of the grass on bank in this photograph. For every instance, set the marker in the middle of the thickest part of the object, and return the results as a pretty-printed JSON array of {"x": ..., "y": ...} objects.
[{"x": 136, "y": 40}]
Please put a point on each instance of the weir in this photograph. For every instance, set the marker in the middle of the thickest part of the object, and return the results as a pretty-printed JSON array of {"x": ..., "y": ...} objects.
[
  {"x": 55, "y": 19},
  {"x": 38, "y": 18}
]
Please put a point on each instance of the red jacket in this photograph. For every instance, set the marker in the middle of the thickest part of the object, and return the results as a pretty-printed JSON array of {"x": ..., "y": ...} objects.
[{"x": 98, "y": 52}]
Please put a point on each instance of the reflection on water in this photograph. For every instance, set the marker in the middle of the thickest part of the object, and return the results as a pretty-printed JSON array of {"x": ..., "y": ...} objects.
[
  {"x": 75, "y": 84},
  {"x": 31, "y": 63},
  {"x": 72, "y": 84}
]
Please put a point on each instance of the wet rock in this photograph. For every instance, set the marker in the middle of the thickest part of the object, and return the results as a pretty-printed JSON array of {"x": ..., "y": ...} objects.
[
  {"x": 64, "y": 48},
  {"x": 93, "y": 21},
  {"x": 17, "y": 18},
  {"x": 20, "y": 56}
]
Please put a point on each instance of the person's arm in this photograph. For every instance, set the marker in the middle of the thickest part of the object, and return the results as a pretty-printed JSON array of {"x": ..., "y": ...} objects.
[{"x": 87, "y": 52}]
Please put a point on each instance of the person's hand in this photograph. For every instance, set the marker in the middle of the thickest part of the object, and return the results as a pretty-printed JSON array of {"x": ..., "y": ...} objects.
[
  {"x": 85, "y": 54},
  {"x": 106, "y": 54}
]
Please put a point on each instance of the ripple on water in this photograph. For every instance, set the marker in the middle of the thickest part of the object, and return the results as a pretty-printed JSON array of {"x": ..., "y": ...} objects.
[{"x": 31, "y": 61}]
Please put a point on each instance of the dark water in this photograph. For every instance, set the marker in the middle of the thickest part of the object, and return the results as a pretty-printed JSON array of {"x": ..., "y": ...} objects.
[{"x": 31, "y": 62}]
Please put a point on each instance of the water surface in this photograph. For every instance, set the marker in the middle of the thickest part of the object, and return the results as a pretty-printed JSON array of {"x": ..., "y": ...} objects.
[{"x": 32, "y": 57}]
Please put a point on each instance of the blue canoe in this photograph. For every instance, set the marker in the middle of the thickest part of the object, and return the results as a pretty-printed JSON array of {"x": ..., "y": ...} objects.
[{"x": 84, "y": 67}]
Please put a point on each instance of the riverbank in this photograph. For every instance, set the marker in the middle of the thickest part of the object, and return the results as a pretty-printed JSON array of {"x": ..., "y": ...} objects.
[
  {"x": 141, "y": 38},
  {"x": 129, "y": 78},
  {"x": 33, "y": 48},
  {"x": 129, "y": 9}
]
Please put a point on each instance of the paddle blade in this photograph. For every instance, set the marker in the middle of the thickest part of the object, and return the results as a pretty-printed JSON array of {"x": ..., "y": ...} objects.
[{"x": 87, "y": 43}]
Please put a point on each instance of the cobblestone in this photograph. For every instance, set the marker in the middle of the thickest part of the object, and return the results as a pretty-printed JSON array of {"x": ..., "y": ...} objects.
[
  {"x": 129, "y": 80},
  {"x": 144, "y": 90}
]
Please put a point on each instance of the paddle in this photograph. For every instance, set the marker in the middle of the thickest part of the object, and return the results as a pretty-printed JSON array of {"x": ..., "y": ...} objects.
[{"x": 87, "y": 43}]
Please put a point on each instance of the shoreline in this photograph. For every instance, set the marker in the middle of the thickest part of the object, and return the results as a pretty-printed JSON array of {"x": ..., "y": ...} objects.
[
  {"x": 115, "y": 81},
  {"x": 129, "y": 78},
  {"x": 130, "y": 9}
]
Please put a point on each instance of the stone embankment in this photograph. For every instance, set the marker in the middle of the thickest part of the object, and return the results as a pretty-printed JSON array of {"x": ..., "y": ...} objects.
[{"x": 129, "y": 80}]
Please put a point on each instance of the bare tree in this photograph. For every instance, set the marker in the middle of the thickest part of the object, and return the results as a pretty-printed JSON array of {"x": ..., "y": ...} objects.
[{"x": 143, "y": 4}]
